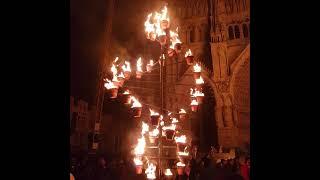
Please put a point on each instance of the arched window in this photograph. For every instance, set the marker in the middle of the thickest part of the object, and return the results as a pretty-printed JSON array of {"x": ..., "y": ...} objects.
[
  {"x": 192, "y": 35},
  {"x": 237, "y": 31},
  {"x": 245, "y": 30},
  {"x": 230, "y": 31}
]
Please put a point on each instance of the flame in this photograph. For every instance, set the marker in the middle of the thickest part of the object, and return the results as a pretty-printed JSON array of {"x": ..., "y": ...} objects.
[
  {"x": 174, "y": 120},
  {"x": 154, "y": 133},
  {"x": 126, "y": 92},
  {"x": 181, "y": 164},
  {"x": 168, "y": 172},
  {"x": 188, "y": 53},
  {"x": 152, "y": 25},
  {"x": 137, "y": 161},
  {"x": 121, "y": 75},
  {"x": 196, "y": 68},
  {"x": 174, "y": 39},
  {"x": 191, "y": 92},
  {"x": 182, "y": 111},
  {"x": 150, "y": 171},
  {"x": 126, "y": 67},
  {"x": 161, "y": 123},
  {"x": 194, "y": 102},
  {"x": 136, "y": 103},
  {"x": 109, "y": 85},
  {"x": 199, "y": 81},
  {"x": 148, "y": 67},
  {"x": 181, "y": 139},
  {"x": 145, "y": 128},
  {"x": 153, "y": 113},
  {"x": 171, "y": 127},
  {"x": 116, "y": 59},
  {"x": 139, "y": 149},
  {"x": 198, "y": 93},
  {"x": 139, "y": 64},
  {"x": 184, "y": 153},
  {"x": 114, "y": 70}
]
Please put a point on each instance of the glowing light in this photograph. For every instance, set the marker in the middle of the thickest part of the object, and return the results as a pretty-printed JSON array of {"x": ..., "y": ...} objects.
[
  {"x": 137, "y": 161},
  {"x": 182, "y": 111},
  {"x": 196, "y": 68},
  {"x": 139, "y": 149},
  {"x": 145, "y": 128},
  {"x": 181, "y": 164},
  {"x": 150, "y": 171},
  {"x": 188, "y": 53},
  {"x": 194, "y": 103},
  {"x": 136, "y": 103},
  {"x": 139, "y": 64},
  {"x": 153, "y": 113},
  {"x": 171, "y": 127},
  {"x": 168, "y": 172},
  {"x": 181, "y": 139},
  {"x": 110, "y": 85},
  {"x": 199, "y": 81},
  {"x": 126, "y": 67}
]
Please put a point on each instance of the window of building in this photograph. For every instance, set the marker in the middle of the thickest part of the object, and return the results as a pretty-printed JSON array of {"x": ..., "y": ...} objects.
[
  {"x": 245, "y": 30},
  {"x": 230, "y": 31},
  {"x": 237, "y": 31}
]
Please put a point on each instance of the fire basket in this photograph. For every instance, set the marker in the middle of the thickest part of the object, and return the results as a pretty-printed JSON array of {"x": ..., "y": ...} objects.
[
  {"x": 189, "y": 60},
  {"x": 155, "y": 119},
  {"x": 170, "y": 134}
]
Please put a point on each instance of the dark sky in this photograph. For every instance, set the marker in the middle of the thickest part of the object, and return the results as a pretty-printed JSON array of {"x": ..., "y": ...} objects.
[{"x": 88, "y": 38}]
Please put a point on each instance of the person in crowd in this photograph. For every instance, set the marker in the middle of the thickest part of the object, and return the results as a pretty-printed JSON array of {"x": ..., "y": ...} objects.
[{"x": 208, "y": 170}]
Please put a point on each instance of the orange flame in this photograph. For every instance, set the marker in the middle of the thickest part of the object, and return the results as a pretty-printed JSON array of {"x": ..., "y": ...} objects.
[
  {"x": 181, "y": 139},
  {"x": 171, "y": 127},
  {"x": 168, "y": 172},
  {"x": 174, "y": 120},
  {"x": 126, "y": 92},
  {"x": 139, "y": 149},
  {"x": 150, "y": 171},
  {"x": 188, "y": 53},
  {"x": 196, "y": 68},
  {"x": 145, "y": 128},
  {"x": 126, "y": 67},
  {"x": 109, "y": 85},
  {"x": 198, "y": 93},
  {"x": 174, "y": 39},
  {"x": 182, "y": 111},
  {"x": 137, "y": 161},
  {"x": 154, "y": 133},
  {"x": 139, "y": 64},
  {"x": 199, "y": 81},
  {"x": 149, "y": 66},
  {"x": 181, "y": 164},
  {"x": 136, "y": 103},
  {"x": 184, "y": 153},
  {"x": 194, "y": 103},
  {"x": 153, "y": 113},
  {"x": 116, "y": 59}
]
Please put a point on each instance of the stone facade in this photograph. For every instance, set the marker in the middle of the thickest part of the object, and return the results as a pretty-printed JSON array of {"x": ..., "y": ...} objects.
[{"x": 217, "y": 32}]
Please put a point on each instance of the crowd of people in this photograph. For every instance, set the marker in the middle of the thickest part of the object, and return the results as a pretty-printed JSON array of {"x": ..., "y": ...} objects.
[{"x": 205, "y": 168}]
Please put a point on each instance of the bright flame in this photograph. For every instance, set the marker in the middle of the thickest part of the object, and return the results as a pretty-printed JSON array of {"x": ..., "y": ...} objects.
[
  {"x": 182, "y": 111},
  {"x": 139, "y": 64},
  {"x": 137, "y": 161},
  {"x": 171, "y": 127},
  {"x": 181, "y": 139},
  {"x": 194, "y": 103},
  {"x": 174, "y": 120},
  {"x": 121, "y": 75},
  {"x": 116, "y": 59},
  {"x": 139, "y": 149},
  {"x": 154, "y": 133},
  {"x": 181, "y": 164},
  {"x": 198, "y": 93},
  {"x": 126, "y": 92},
  {"x": 114, "y": 70},
  {"x": 145, "y": 128},
  {"x": 109, "y": 85},
  {"x": 174, "y": 39},
  {"x": 196, "y": 68},
  {"x": 126, "y": 67},
  {"x": 199, "y": 81},
  {"x": 150, "y": 171},
  {"x": 184, "y": 153},
  {"x": 188, "y": 53},
  {"x": 191, "y": 92},
  {"x": 153, "y": 113},
  {"x": 136, "y": 103},
  {"x": 149, "y": 66},
  {"x": 154, "y": 29},
  {"x": 168, "y": 172}
]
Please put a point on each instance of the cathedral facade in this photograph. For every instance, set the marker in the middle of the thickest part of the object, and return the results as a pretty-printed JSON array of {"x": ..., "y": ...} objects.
[{"x": 218, "y": 34}]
